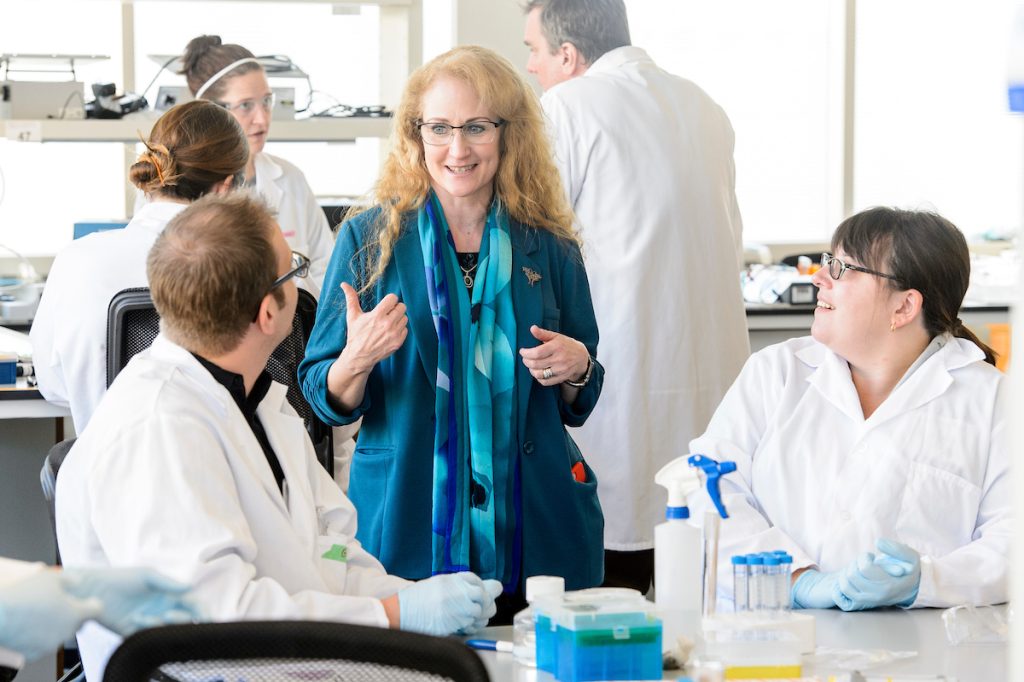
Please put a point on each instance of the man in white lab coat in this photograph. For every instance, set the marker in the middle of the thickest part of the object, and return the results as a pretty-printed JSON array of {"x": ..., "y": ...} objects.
[
  {"x": 646, "y": 158},
  {"x": 196, "y": 464}
]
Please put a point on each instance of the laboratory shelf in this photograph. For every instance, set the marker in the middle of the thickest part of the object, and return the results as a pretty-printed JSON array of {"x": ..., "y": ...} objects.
[{"x": 129, "y": 129}]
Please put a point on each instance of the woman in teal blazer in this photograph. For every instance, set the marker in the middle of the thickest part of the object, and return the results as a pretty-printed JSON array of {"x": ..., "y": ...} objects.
[{"x": 456, "y": 320}]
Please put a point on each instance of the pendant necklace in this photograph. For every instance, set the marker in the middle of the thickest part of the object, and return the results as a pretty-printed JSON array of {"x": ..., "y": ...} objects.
[{"x": 467, "y": 273}]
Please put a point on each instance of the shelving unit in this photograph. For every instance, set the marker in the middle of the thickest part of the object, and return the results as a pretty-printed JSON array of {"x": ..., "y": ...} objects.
[{"x": 128, "y": 129}]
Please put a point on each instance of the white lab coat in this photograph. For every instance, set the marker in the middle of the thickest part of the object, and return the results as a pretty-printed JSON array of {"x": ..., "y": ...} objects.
[
  {"x": 303, "y": 223},
  {"x": 646, "y": 159},
  {"x": 69, "y": 333},
  {"x": 170, "y": 476},
  {"x": 929, "y": 468},
  {"x": 12, "y": 572}
]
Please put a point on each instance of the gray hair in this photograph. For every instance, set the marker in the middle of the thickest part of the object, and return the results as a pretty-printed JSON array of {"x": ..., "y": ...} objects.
[{"x": 593, "y": 26}]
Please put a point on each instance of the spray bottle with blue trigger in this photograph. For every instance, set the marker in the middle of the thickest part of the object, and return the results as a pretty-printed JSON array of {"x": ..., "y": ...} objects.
[
  {"x": 713, "y": 471},
  {"x": 680, "y": 549}
]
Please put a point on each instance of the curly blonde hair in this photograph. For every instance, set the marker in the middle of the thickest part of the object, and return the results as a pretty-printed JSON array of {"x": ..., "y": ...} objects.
[{"x": 527, "y": 182}]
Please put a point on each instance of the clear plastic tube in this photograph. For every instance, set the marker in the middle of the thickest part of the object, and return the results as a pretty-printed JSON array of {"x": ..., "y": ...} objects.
[
  {"x": 755, "y": 584},
  {"x": 771, "y": 598},
  {"x": 740, "y": 580},
  {"x": 785, "y": 578}
]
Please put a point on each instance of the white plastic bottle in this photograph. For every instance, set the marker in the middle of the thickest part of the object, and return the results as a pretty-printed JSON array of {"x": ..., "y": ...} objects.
[
  {"x": 524, "y": 633},
  {"x": 678, "y": 557},
  {"x": 1015, "y": 73}
]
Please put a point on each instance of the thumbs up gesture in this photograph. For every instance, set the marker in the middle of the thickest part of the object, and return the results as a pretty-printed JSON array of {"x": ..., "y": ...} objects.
[{"x": 372, "y": 335}]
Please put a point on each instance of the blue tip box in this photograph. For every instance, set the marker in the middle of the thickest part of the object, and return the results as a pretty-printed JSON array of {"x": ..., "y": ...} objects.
[{"x": 598, "y": 634}]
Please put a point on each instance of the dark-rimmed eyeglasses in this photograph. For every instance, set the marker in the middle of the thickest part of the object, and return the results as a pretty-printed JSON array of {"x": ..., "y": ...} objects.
[
  {"x": 836, "y": 268},
  {"x": 481, "y": 131},
  {"x": 300, "y": 268}
]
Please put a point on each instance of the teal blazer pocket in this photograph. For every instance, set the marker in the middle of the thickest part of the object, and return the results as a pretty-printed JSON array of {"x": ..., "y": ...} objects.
[{"x": 368, "y": 485}]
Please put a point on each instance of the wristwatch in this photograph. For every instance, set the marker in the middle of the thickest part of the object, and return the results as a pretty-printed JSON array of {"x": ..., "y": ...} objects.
[{"x": 586, "y": 375}]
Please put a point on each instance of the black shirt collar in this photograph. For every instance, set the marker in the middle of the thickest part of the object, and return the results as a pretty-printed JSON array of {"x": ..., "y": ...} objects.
[{"x": 236, "y": 386}]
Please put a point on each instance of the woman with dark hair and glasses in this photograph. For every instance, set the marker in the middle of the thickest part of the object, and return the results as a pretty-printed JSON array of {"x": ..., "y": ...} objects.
[
  {"x": 457, "y": 321},
  {"x": 874, "y": 451}
]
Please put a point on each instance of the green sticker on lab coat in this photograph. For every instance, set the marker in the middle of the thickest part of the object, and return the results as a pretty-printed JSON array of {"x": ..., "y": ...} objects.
[{"x": 336, "y": 553}]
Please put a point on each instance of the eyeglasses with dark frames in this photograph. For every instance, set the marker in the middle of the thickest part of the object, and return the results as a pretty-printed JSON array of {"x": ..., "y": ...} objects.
[
  {"x": 836, "y": 268},
  {"x": 480, "y": 131},
  {"x": 300, "y": 269}
]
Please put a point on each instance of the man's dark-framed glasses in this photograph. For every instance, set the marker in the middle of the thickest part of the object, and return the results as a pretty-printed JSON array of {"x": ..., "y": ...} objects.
[
  {"x": 300, "y": 268},
  {"x": 836, "y": 268}
]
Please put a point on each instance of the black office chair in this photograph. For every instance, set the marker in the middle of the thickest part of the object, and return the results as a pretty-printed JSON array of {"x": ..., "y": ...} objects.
[
  {"x": 133, "y": 323},
  {"x": 48, "y": 480},
  {"x": 291, "y": 650}
]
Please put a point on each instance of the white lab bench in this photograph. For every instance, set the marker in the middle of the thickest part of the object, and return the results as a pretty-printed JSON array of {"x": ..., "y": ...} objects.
[
  {"x": 771, "y": 323},
  {"x": 29, "y": 426},
  {"x": 918, "y": 630}
]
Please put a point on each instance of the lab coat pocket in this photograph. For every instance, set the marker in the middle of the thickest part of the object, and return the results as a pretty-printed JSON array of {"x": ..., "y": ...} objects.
[
  {"x": 938, "y": 510},
  {"x": 332, "y": 560}
]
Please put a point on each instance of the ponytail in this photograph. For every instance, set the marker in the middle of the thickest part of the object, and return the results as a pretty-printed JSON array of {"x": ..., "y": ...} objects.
[{"x": 961, "y": 331}]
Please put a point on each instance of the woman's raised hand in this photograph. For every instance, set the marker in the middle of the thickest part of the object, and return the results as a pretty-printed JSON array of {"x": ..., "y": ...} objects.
[{"x": 372, "y": 335}]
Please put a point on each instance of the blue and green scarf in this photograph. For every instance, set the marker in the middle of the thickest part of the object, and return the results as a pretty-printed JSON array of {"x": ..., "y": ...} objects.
[{"x": 475, "y": 495}]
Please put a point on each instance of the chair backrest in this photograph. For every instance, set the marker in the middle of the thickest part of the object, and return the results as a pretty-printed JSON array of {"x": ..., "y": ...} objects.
[
  {"x": 291, "y": 650},
  {"x": 133, "y": 324},
  {"x": 48, "y": 480}
]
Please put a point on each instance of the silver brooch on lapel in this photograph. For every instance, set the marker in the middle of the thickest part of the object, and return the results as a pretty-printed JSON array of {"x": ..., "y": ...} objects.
[{"x": 532, "y": 276}]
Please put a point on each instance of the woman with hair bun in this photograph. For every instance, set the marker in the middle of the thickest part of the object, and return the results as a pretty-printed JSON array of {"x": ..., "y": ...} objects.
[
  {"x": 194, "y": 149},
  {"x": 230, "y": 76}
]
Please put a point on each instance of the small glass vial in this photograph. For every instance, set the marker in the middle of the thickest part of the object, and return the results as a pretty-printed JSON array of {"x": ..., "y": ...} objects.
[
  {"x": 524, "y": 628},
  {"x": 739, "y": 583}
]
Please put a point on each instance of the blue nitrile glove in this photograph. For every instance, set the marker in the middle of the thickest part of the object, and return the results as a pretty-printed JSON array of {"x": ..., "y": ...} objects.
[
  {"x": 133, "y": 598},
  {"x": 889, "y": 579},
  {"x": 37, "y": 614},
  {"x": 448, "y": 604},
  {"x": 494, "y": 590},
  {"x": 815, "y": 590}
]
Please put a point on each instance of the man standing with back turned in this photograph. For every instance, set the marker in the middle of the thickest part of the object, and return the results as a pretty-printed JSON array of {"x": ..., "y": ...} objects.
[{"x": 646, "y": 158}]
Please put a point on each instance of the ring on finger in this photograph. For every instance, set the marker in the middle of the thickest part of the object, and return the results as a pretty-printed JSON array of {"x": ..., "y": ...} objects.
[{"x": 547, "y": 373}]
